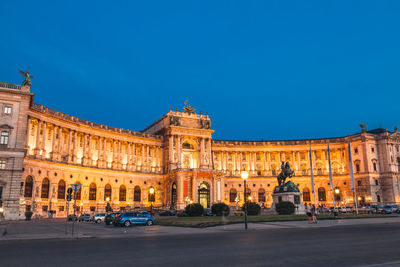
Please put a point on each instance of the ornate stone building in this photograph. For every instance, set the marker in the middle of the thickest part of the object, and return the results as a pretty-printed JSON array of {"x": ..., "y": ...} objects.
[{"x": 43, "y": 151}]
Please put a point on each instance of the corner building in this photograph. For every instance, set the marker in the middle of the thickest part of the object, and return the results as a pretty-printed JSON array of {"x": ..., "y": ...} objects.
[{"x": 43, "y": 151}]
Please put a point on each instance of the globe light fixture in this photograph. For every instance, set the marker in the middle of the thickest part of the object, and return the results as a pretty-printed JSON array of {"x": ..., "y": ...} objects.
[
  {"x": 107, "y": 199},
  {"x": 337, "y": 191},
  {"x": 151, "y": 190}
]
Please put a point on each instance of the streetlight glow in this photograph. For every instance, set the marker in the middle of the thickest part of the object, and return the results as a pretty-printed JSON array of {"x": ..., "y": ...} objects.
[
  {"x": 107, "y": 199},
  {"x": 337, "y": 191},
  {"x": 151, "y": 190},
  {"x": 1, "y": 209},
  {"x": 244, "y": 175}
]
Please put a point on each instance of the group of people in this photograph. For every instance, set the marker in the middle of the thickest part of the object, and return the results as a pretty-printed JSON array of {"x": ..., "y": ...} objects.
[{"x": 311, "y": 213}]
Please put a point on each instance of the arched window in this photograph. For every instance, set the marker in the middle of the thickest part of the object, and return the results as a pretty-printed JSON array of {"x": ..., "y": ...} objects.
[
  {"x": 28, "y": 186},
  {"x": 306, "y": 195},
  {"x": 107, "y": 192},
  {"x": 137, "y": 192},
  {"x": 122, "y": 193},
  {"x": 261, "y": 195},
  {"x": 61, "y": 190},
  {"x": 321, "y": 194},
  {"x": 78, "y": 194},
  {"x": 232, "y": 195},
  {"x": 92, "y": 191},
  {"x": 398, "y": 164},
  {"x": 45, "y": 188}
]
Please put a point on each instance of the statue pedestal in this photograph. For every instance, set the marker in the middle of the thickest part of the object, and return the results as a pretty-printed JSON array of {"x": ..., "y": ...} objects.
[
  {"x": 288, "y": 192},
  {"x": 294, "y": 197}
]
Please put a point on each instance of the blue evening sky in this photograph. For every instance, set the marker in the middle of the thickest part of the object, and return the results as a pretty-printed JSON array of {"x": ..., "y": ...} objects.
[{"x": 261, "y": 69}]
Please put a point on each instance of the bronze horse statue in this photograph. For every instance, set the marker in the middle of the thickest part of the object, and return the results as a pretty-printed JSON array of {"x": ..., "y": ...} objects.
[{"x": 285, "y": 173}]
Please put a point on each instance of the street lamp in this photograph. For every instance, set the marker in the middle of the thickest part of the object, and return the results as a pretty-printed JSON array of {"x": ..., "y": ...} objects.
[
  {"x": 151, "y": 196},
  {"x": 81, "y": 207},
  {"x": 245, "y": 175}
]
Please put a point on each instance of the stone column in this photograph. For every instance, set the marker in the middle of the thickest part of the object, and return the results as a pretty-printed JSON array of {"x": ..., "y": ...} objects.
[
  {"x": 235, "y": 162},
  {"x": 209, "y": 153},
  {"x": 75, "y": 149},
  {"x": 37, "y": 145},
  {"x": 114, "y": 154},
  {"x": 89, "y": 153},
  {"x": 170, "y": 152},
  {"x": 119, "y": 152},
  {"x": 134, "y": 157},
  {"x": 69, "y": 145},
  {"x": 143, "y": 159},
  {"x": 226, "y": 161},
  {"x": 43, "y": 146},
  {"x": 178, "y": 149},
  {"x": 202, "y": 155},
  {"x": 84, "y": 156},
  {"x": 265, "y": 162},
  {"x": 148, "y": 162},
  {"x": 240, "y": 161},
  {"x": 298, "y": 161},
  {"x": 180, "y": 199},
  {"x": 60, "y": 144},
  {"x": 104, "y": 151},
  {"x": 53, "y": 145},
  {"x": 269, "y": 161}
]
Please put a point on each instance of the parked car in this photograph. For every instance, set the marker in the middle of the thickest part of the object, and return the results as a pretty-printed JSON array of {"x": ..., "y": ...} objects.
[
  {"x": 109, "y": 219},
  {"x": 129, "y": 218},
  {"x": 384, "y": 209},
  {"x": 167, "y": 213},
  {"x": 207, "y": 212},
  {"x": 85, "y": 217},
  {"x": 366, "y": 210},
  {"x": 72, "y": 217},
  {"x": 99, "y": 217},
  {"x": 146, "y": 213},
  {"x": 395, "y": 208}
]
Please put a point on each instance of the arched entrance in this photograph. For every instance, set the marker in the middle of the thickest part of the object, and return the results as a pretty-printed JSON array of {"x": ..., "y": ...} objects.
[
  {"x": 173, "y": 195},
  {"x": 204, "y": 195}
]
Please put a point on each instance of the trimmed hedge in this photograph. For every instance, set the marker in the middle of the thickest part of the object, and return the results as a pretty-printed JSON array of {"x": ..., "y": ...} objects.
[
  {"x": 28, "y": 215},
  {"x": 285, "y": 208},
  {"x": 252, "y": 208},
  {"x": 220, "y": 209},
  {"x": 194, "y": 210}
]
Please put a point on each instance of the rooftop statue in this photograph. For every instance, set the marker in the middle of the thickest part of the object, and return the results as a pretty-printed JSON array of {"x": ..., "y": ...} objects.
[
  {"x": 363, "y": 127},
  {"x": 28, "y": 77}
]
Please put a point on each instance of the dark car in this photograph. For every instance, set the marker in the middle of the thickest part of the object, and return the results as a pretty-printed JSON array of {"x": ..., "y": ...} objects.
[
  {"x": 85, "y": 217},
  {"x": 72, "y": 217},
  {"x": 167, "y": 213},
  {"x": 109, "y": 219},
  {"x": 207, "y": 212}
]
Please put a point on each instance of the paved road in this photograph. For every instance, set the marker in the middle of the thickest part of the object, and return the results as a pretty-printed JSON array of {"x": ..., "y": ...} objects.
[{"x": 354, "y": 245}]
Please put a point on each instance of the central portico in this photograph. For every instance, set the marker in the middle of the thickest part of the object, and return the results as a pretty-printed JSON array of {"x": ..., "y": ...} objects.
[{"x": 187, "y": 158}]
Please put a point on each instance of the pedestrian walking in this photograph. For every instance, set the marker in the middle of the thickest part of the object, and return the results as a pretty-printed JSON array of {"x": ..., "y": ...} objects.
[
  {"x": 313, "y": 214},
  {"x": 308, "y": 212}
]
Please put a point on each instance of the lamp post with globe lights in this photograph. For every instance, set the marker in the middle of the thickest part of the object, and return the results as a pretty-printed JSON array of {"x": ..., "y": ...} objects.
[
  {"x": 244, "y": 176},
  {"x": 151, "y": 199}
]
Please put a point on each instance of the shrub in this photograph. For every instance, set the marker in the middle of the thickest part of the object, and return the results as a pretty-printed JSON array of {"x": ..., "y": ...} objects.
[
  {"x": 194, "y": 209},
  {"x": 220, "y": 209},
  {"x": 252, "y": 208},
  {"x": 28, "y": 215},
  {"x": 285, "y": 208}
]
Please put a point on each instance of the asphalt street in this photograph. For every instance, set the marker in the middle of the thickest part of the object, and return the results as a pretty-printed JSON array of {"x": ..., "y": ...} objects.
[{"x": 356, "y": 245}]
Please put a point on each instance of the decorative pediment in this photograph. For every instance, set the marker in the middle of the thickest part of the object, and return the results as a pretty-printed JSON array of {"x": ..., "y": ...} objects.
[{"x": 6, "y": 126}]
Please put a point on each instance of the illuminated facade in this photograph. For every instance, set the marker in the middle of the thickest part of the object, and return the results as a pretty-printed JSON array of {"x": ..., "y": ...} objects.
[{"x": 47, "y": 150}]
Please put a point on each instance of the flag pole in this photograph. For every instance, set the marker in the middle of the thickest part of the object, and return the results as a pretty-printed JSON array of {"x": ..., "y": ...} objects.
[
  {"x": 353, "y": 184},
  {"x": 312, "y": 174},
  {"x": 331, "y": 180}
]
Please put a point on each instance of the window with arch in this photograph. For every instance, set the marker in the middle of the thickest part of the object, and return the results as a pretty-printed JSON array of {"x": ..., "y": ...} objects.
[
  {"x": 4, "y": 138},
  {"x": 398, "y": 164},
  {"x": 107, "y": 192},
  {"x": 61, "y": 190},
  {"x": 232, "y": 195},
  {"x": 357, "y": 165},
  {"x": 306, "y": 195},
  {"x": 78, "y": 194},
  {"x": 261, "y": 195},
  {"x": 45, "y": 188},
  {"x": 321, "y": 194},
  {"x": 137, "y": 192},
  {"x": 122, "y": 193},
  {"x": 28, "y": 186},
  {"x": 92, "y": 191},
  {"x": 187, "y": 145}
]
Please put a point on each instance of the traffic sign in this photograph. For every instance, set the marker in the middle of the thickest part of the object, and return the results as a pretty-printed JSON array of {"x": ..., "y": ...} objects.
[{"x": 76, "y": 187}]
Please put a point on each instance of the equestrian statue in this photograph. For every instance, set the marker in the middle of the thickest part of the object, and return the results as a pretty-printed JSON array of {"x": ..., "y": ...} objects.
[{"x": 285, "y": 173}]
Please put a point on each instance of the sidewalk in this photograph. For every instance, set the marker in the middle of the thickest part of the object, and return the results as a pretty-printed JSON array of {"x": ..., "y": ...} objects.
[{"x": 45, "y": 229}]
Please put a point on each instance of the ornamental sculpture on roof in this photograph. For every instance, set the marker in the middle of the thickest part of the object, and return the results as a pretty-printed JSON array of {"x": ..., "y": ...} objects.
[
  {"x": 28, "y": 77},
  {"x": 187, "y": 108}
]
